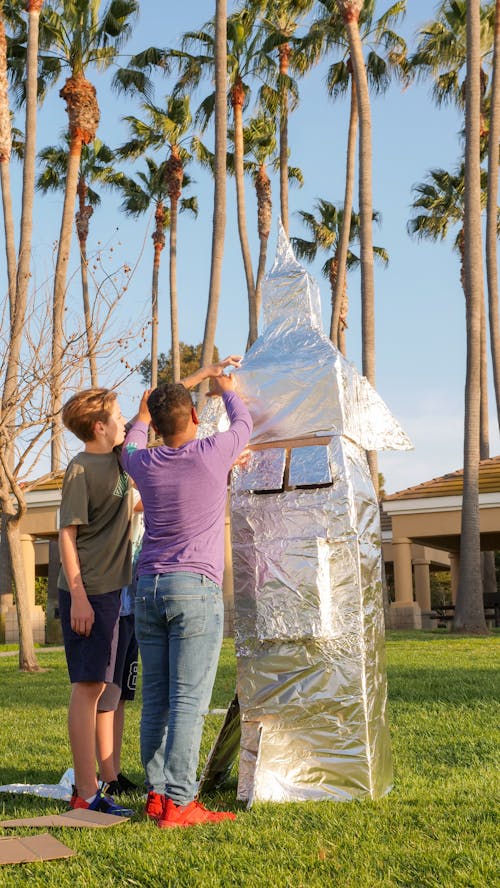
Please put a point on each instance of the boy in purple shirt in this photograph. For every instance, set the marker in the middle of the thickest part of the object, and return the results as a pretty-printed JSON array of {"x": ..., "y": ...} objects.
[{"x": 179, "y": 608}]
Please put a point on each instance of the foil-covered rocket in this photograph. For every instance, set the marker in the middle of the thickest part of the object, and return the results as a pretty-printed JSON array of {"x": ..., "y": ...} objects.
[{"x": 309, "y": 626}]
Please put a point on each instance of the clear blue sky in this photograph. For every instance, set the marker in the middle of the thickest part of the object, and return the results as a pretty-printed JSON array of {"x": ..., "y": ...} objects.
[{"x": 420, "y": 305}]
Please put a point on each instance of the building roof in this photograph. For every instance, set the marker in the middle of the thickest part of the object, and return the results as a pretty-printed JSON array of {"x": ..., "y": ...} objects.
[
  {"x": 452, "y": 483},
  {"x": 54, "y": 483}
]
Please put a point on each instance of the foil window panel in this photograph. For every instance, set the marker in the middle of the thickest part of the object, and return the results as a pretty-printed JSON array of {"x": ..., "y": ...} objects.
[
  {"x": 264, "y": 472},
  {"x": 310, "y": 467}
]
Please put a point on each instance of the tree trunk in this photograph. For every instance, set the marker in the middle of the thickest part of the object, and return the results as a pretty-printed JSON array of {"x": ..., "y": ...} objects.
[
  {"x": 174, "y": 177},
  {"x": 491, "y": 212},
  {"x": 237, "y": 99},
  {"x": 82, "y": 227},
  {"x": 264, "y": 215},
  {"x": 350, "y": 10},
  {"x": 488, "y": 575},
  {"x": 5, "y": 152},
  {"x": 159, "y": 243},
  {"x": 219, "y": 215},
  {"x": 13, "y": 514},
  {"x": 24, "y": 258},
  {"x": 27, "y": 657},
  {"x": 10, "y": 251},
  {"x": 469, "y": 611},
  {"x": 345, "y": 234},
  {"x": 83, "y": 115},
  {"x": 174, "y": 320},
  {"x": 18, "y": 303},
  {"x": 60, "y": 298},
  {"x": 284, "y": 56}
]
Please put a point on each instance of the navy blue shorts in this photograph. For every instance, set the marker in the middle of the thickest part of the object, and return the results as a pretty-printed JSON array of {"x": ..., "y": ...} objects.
[
  {"x": 91, "y": 658},
  {"x": 126, "y": 664}
]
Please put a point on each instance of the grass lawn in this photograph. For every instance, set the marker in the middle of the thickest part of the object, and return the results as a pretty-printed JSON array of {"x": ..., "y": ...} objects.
[{"x": 437, "y": 828}]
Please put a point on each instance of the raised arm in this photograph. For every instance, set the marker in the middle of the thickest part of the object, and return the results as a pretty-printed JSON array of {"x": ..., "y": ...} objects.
[{"x": 211, "y": 370}]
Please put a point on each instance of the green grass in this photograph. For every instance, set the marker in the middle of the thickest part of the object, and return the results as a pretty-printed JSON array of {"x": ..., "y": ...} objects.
[{"x": 437, "y": 828}]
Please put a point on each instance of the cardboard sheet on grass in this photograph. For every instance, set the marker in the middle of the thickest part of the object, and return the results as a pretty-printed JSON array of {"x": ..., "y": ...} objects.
[
  {"x": 81, "y": 817},
  {"x": 29, "y": 849},
  {"x": 44, "y": 847}
]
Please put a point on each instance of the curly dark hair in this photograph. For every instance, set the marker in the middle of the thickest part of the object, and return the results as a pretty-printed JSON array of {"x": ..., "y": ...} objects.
[{"x": 170, "y": 407}]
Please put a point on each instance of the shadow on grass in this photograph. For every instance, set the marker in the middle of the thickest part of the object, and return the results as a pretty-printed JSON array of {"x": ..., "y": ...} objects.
[{"x": 451, "y": 685}]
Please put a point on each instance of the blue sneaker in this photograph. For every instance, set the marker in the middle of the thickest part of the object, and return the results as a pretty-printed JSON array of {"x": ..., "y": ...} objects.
[{"x": 103, "y": 803}]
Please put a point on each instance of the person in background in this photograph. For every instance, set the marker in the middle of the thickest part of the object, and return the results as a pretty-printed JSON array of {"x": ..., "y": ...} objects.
[{"x": 111, "y": 705}]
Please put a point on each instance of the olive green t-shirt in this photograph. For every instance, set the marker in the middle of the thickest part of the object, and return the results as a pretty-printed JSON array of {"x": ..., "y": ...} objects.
[{"x": 96, "y": 497}]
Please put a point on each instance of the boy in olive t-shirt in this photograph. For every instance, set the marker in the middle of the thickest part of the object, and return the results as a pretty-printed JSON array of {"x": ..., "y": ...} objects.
[{"x": 94, "y": 542}]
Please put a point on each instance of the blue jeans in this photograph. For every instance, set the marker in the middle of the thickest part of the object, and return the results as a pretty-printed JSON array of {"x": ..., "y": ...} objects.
[{"x": 179, "y": 621}]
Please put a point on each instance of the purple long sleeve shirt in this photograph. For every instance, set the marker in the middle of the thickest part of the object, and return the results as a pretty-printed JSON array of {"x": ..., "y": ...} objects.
[{"x": 183, "y": 491}]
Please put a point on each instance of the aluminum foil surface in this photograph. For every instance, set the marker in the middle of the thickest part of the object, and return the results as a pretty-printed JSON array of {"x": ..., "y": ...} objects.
[{"x": 307, "y": 560}]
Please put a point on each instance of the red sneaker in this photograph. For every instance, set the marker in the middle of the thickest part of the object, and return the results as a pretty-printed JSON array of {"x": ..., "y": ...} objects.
[
  {"x": 190, "y": 815},
  {"x": 154, "y": 805},
  {"x": 77, "y": 802}
]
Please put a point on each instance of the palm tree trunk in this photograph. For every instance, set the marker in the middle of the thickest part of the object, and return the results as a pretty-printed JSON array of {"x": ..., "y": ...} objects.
[
  {"x": 484, "y": 432},
  {"x": 24, "y": 259},
  {"x": 159, "y": 243},
  {"x": 469, "y": 612},
  {"x": 60, "y": 298},
  {"x": 264, "y": 213},
  {"x": 174, "y": 176},
  {"x": 237, "y": 99},
  {"x": 491, "y": 212},
  {"x": 350, "y": 11},
  {"x": 10, "y": 251},
  {"x": 174, "y": 320},
  {"x": 284, "y": 55},
  {"x": 83, "y": 114},
  {"x": 18, "y": 313},
  {"x": 488, "y": 577},
  {"x": 219, "y": 215},
  {"x": 82, "y": 227},
  {"x": 5, "y": 152},
  {"x": 340, "y": 285}
]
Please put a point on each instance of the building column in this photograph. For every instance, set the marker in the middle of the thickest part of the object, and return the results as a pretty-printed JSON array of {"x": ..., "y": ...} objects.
[
  {"x": 422, "y": 583},
  {"x": 405, "y": 613},
  {"x": 454, "y": 571}
]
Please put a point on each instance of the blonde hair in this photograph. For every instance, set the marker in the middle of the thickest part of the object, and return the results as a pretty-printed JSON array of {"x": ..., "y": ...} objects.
[{"x": 84, "y": 409}]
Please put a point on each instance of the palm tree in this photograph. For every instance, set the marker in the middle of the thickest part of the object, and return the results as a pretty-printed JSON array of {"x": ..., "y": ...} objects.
[
  {"x": 326, "y": 229},
  {"x": 441, "y": 51},
  {"x": 259, "y": 147},
  {"x": 219, "y": 215},
  {"x": 14, "y": 512},
  {"x": 491, "y": 209},
  {"x": 5, "y": 154},
  {"x": 350, "y": 11},
  {"x": 168, "y": 128},
  {"x": 469, "y": 611},
  {"x": 245, "y": 59},
  {"x": 386, "y": 58},
  {"x": 81, "y": 35},
  {"x": 151, "y": 189},
  {"x": 440, "y": 206},
  {"x": 281, "y": 19},
  {"x": 442, "y": 54},
  {"x": 95, "y": 167}
]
